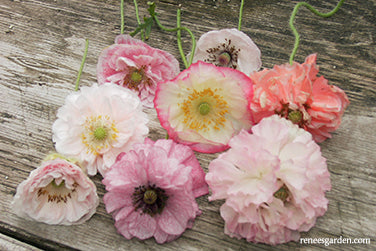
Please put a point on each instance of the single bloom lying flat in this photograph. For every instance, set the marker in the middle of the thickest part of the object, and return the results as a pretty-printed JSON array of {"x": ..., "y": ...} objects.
[
  {"x": 228, "y": 48},
  {"x": 57, "y": 193},
  {"x": 273, "y": 182},
  {"x": 133, "y": 64},
  {"x": 205, "y": 106},
  {"x": 151, "y": 190},
  {"x": 97, "y": 123},
  {"x": 296, "y": 92}
]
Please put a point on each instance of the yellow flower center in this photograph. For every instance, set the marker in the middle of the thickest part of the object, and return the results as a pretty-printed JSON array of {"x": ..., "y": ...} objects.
[
  {"x": 204, "y": 110},
  {"x": 99, "y": 132}
]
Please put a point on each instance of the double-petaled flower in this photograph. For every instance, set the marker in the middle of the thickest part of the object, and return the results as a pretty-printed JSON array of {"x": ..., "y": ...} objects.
[
  {"x": 273, "y": 182},
  {"x": 97, "y": 123},
  {"x": 57, "y": 192},
  {"x": 152, "y": 190},
  {"x": 133, "y": 64}
]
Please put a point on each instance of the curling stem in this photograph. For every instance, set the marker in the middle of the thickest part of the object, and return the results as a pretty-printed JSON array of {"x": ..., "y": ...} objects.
[{"x": 313, "y": 10}]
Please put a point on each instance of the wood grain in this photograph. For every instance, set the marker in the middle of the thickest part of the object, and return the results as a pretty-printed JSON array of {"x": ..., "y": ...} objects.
[{"x": 41, "y": 45}]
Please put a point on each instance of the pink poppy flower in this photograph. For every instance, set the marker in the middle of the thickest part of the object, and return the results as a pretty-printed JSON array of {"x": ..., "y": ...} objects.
[
  {"x": 57, "y": 192},
  {"x": 205, "y": 106},
  {"x": 152, "y": 190},
  {"x": 296, "y": 93},
  {"x": 97, "y": 123},
  {"x": 229, "y": 48},
  {"x": 273, "y": 182},
  {"x": 133, "y": 64}
]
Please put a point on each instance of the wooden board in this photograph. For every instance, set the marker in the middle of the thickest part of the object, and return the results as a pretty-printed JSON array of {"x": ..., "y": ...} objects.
[{"x": 41, "y": 45}]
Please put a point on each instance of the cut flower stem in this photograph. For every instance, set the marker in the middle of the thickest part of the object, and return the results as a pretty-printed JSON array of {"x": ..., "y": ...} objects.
[
  {"x": 240, "y": 15},
  {"x": 82, "y": 65},
  {"x": 313, "y": 10}
]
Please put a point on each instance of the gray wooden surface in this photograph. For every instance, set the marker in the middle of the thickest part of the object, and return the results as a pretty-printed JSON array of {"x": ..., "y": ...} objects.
[{"x": 41, "y": 45}]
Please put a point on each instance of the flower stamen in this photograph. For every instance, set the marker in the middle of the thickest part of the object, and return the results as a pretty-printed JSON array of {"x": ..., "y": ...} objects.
[
  {"x": 98, "y": 134},
  {"x": 282, "y": 193},
  {"x": 136, "y": 77},
  {"x": 295, "y": 116},
  {"x": 149, "y": 199},
  {"x": 225, "y": 55},
  {"x": 204, "y": 110}
]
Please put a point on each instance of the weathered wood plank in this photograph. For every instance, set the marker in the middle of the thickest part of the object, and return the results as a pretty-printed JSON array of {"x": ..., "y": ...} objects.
[
  {"x": 7, "y": 243},
  {"x": 41, "y": 45}
]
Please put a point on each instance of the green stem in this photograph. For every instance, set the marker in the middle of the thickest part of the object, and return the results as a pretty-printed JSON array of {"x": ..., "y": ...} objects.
[
  {"x": 122, "y": 16},
  {"x": 240, "y": 15},
  {"x": 313, "y": 10},
  {"x": 138, "y": 18},
  {"x": 82, "y": 65},
  {"x": 175, "y": 30},
  {"x": 180, "y": 46}
]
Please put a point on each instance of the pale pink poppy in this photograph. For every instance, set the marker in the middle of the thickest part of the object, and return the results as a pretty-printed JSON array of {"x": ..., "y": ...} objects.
[
  {"x": 297, "y": 93},
  {"x": 135, "y": 65},
  {"x": 205, "y": 106},
  {"x": 152, "y": 190},
  {"x": 228, "y": 48},
  {"x": 57, "y": 192},
  {"x": 273, "y": 182},
  {"x": 97, "y": 123}
]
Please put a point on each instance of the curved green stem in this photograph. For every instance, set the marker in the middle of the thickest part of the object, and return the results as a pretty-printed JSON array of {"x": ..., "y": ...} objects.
[
  {"x": 175, "y": 30},
  {"x": 82, "y": 65},
  {"x": 122, "y": 16},
  {"x": 240, "y": 15},
  {"x": 313, "y": 10},
  {"x": 138, "y": 18}
]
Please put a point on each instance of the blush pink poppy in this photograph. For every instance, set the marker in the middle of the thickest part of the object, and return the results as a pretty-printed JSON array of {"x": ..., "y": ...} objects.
[
  {"x": 57, "y": 193},
  {"x": 273, "y": 182}
]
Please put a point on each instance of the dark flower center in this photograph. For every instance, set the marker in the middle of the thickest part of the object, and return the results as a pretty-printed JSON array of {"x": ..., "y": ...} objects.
[
  {"x": 224, "y": 54},
  {"x": 149, "y": 199},
  {"x": 295, "y": 116},
  {"x": 136, "y": 77},
  {"x": 282, "y": 193}
]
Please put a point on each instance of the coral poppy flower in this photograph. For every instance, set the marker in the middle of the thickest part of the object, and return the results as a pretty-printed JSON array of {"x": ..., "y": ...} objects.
[
  {"x": 205, "y": 106},
  {"x": 57, "y": 192},
  {"x": 273, "y": 182},
  {"x": 229, "y": 48},
  {"x": 152, "y": 190},
  {"x": 296, "y": 93},
  {"x": 134, "y": 64}
]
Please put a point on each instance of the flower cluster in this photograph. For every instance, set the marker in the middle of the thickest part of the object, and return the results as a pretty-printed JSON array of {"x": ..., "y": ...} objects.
[{"x": 272, "y": 177}]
